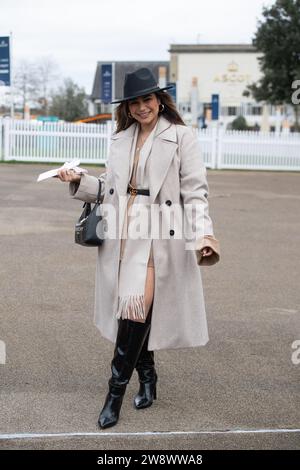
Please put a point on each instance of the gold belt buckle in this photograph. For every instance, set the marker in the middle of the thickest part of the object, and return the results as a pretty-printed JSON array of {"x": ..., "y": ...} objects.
[{"x": 132, "y": 190}]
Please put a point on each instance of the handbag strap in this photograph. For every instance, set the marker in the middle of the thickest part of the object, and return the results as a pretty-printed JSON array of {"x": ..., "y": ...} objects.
[
  {"x": 99, "y": 192},
  {"x": 87, "y": 205}
]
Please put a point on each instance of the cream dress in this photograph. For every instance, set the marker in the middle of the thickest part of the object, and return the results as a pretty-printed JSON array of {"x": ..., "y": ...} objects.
[{"x": 136, "y": 256}]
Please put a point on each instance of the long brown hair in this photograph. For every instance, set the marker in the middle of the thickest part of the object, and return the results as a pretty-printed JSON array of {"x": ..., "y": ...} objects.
[{"x": 170, "y": 112}]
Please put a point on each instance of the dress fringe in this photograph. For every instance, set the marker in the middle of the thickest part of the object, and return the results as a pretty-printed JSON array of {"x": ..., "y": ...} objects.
[{"x": 131, "y": 307}]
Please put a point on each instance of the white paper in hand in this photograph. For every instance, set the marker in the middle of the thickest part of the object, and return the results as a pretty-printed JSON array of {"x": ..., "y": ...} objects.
[{"x": 73, "y": 165}]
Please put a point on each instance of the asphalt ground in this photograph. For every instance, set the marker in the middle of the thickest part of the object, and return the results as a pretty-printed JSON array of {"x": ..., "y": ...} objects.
[{"x": 240, "y": 391}]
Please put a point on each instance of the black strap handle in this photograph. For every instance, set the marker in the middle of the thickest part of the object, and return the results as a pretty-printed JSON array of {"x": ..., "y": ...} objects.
[
  {"x": 99, "y": 192},
  {"x": 98, "y": 197}
]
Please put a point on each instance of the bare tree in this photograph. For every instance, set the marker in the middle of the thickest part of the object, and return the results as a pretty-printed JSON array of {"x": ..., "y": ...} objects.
[
  {"x": 26, "y": 83},
  {"x": 48, "y": 72},
  {"x": 33, "y": 80}
]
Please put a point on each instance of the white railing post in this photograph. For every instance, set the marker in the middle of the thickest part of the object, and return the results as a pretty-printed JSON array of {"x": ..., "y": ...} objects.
[
  {"x": 6, "y": 137},
  {"x": 220, "y": 138},
  {"x": 214, "y": 143}
]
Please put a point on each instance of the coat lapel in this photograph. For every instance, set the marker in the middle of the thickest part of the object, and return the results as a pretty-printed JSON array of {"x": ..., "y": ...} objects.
[
  {"x": 119, "y": 158},
  {"x": 162, "y": 153},
  {"x": 163, "y": 150}
]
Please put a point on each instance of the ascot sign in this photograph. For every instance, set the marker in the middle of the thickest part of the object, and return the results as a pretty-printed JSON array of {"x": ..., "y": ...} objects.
[{"x": 232, "y": 76}]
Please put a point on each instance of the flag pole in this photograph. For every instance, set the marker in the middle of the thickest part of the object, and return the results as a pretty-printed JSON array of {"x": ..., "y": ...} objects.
[{"x": 11, "y": 77}]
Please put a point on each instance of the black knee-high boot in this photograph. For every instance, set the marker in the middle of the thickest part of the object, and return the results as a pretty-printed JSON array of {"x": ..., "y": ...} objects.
[
  {"x": 147, "y": 378},
  {"x": 130, "y": 339},
  {"x": 147, "y": 374}
]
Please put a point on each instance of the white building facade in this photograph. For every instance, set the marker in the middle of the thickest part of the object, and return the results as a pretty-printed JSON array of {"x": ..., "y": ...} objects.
[{"x": 202, "y": 70}]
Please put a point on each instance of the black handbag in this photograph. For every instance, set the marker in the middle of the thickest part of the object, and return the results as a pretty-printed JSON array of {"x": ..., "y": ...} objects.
[{"x": 89, "y": 229}]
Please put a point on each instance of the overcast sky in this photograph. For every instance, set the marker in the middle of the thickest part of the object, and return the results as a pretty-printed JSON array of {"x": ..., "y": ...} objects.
[{"x": 78, "y": 33}]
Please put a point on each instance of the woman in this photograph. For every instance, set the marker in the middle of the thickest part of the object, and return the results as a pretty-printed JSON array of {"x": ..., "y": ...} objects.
[{"x": 149, "y": 293}]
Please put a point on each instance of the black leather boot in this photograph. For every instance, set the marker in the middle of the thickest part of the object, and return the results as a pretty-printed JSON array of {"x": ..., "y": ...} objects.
[
  {"x": 147, "y": 374},
  {"x": 147, "y": 378},
  {"x": 130, "y": 339}
]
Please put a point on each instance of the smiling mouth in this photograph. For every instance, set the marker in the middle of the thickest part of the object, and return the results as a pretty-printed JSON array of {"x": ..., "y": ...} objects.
[{"x": 144, "y": 114}]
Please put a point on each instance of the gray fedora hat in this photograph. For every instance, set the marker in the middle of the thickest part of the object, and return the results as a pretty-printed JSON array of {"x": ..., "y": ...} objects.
[{"x": 139, "y": 83}]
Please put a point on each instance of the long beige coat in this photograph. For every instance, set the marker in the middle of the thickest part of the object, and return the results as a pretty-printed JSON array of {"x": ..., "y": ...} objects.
[{"x": 177, "y": 176}]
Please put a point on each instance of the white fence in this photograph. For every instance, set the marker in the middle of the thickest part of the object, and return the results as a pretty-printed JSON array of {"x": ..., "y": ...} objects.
[
  {"x": 250, "y": 150},
  {"x": 53, "y": 142}
]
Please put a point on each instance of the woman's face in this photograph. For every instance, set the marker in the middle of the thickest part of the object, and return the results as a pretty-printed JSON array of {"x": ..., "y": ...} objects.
[{"x": 144, "y": 109}]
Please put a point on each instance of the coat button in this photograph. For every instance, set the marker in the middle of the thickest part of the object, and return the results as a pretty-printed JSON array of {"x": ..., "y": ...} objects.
[
  {"x": 111, "y": 191},
  {"x": 172, "y": 232},
  {"x": 168, "y": 202}
]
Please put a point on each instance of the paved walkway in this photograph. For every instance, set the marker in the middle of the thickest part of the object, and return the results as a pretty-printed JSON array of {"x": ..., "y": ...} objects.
[{"x": 240, "y": 391}]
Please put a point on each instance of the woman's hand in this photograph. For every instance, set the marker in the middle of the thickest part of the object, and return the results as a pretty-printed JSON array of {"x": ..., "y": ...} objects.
[
  {"x": 69, "y": 176},
  {"x": 206, "y": 251}
]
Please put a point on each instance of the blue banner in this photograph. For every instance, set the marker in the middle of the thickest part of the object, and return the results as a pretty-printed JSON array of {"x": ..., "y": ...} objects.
[
  {"x": 215, "y": 107},
  {"x": 106, "y": 83},
  {"x": 4, "y": 61}
]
